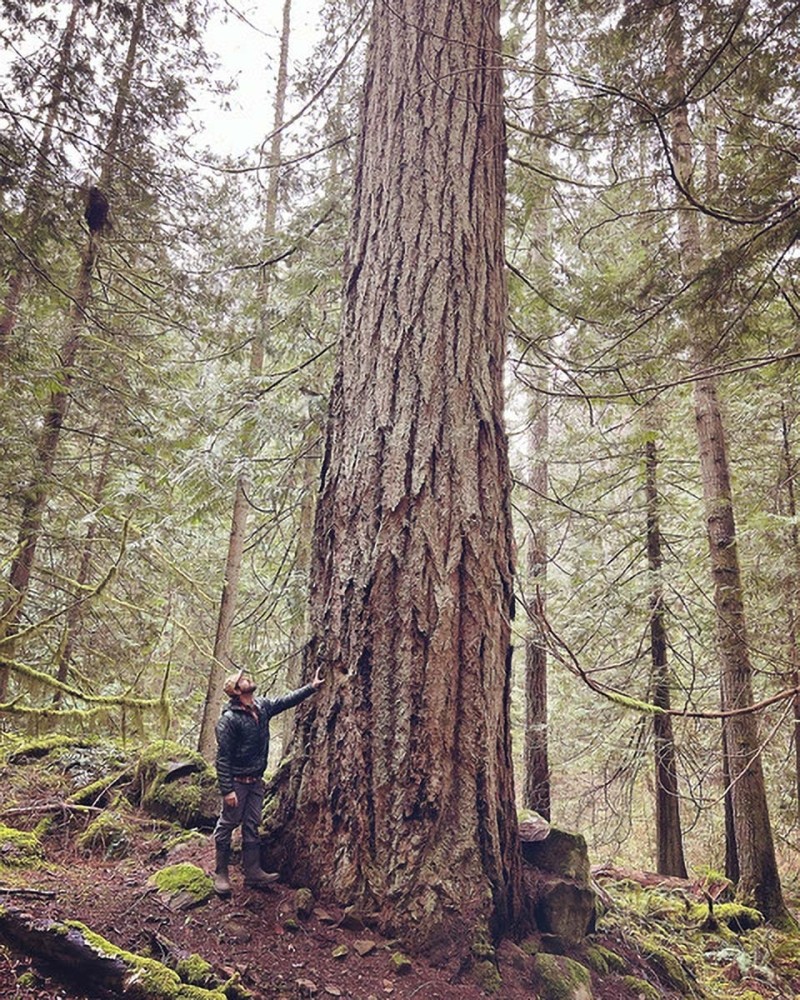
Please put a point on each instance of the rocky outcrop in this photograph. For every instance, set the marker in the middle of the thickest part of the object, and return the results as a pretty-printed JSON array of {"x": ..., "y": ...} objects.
[{"x": 558, "y": 877}]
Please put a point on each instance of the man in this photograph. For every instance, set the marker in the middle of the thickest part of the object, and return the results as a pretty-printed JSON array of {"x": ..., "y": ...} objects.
[{"x": 242, "y": 749}]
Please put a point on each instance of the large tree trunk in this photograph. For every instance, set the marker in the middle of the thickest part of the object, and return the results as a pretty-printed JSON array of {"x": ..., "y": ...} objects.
[
  {"x": 759, "y": 881},
  {"x": 399, "y": 799},
  {"x": 669, "y": 838}
]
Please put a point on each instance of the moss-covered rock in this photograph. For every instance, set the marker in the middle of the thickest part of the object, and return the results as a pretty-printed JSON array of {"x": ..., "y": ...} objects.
[
  {"x": 174, "y": 783},
  {"x": 560, "y": 853},
  {"x": 196, "y": 971},
  {"x": 19, "y": 848},
  {"x": 108, "y": 835},
  {"x": 556, "y": 977},
  {"x": 565, "y": 909},
  {"x": 400, "y": 963},
  {"x": 733, "y": 915},
  {"x": 486, "y": 974},
  {"x": 602, "y": 960},
  {"x": 183, "y": 884},
  {"x": 641, "y": 989},
  {"x": 668, "y": 968},
  {"x": 304, "y": 903}
]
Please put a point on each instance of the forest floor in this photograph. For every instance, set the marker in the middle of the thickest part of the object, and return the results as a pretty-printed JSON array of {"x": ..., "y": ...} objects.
[{"x": 256, "y": 935}]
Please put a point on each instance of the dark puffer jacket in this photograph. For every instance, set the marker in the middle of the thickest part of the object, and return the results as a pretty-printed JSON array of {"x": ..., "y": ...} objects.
[{"x": 243, "y": 741}]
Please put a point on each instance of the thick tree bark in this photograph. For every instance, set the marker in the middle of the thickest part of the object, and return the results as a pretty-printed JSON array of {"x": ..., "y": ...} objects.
[
  {"x": 669, "y": 838},
  {"x": 400, "y": 799},
  {"x": 759, "y": 881}
]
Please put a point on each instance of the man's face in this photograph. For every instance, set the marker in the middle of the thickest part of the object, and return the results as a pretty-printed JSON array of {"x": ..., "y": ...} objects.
[{"x": 246, "y": 685}]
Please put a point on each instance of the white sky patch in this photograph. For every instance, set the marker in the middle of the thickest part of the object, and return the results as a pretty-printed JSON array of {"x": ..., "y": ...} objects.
[{"x": 248, "y": 48}]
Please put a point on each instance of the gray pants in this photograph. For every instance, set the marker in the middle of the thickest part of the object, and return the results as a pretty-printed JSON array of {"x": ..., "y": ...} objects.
[{"x": 246, "y": 813}]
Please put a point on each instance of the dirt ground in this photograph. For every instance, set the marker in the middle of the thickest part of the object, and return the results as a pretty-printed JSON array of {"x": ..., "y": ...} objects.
[
  {"x": 244, "y": 934},
  {"x": 255, "y": 934}
]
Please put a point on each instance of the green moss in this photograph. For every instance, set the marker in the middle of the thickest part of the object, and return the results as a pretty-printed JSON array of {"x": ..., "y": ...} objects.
[
  {"x": 41, "y": 747},
  {"x": 482, "y": 948},
  {"x": 19, "y": 848},
  {"x": 192, "y": 799},
  {"x": 733, "y": 915},
  {"x": 149, "y": 979},
  {"x": 28, "y": 980},
  {"x": 668, "y": 967},
  {"x": 560, "y": 978},
  {"x": 183, "y": 877},
  {"x": 95, "y": 792},
  {"x": 108, "y": 835},
  {"x": 195, "y": 971},
  {"x": 602, "y": 960},
  {"x": 401, "y": 964},
  {"x": 487, "y": 976},
  {"x": 641, "y": 988},
  {"x": 304, "y": 903},
  {"x": 531, "y": 946}
]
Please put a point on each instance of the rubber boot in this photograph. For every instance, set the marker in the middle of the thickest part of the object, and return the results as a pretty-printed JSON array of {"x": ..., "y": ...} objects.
[
  {"x": 254, "y": 877},
  {"x": 221, "y": 880}
]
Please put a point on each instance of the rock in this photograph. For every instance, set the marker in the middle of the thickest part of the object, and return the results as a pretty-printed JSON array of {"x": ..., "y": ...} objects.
[
  {"x": 642, "y": 990},
  {"x": 603, "y": 960},
  {"x": 232, "y": 929},
  {"x": 172, "y": 783},
  {"x": 340, "y": 951},
  {"x": 561, "y": 853},
  {"x": 304, "y": 903},
  {"x": 364, "y": 948},
  {"x": 532, "y": 826},
  {"x": 558, "y": 978},
  {"x": 305, "y": 987},
  {"x": 401, "y": 964},
  {"x": 183, "y": 886},
  {"x": 559, "y": 881},
  {"x": 353, "y": 919},
  {"x": 565, "y": 909}
]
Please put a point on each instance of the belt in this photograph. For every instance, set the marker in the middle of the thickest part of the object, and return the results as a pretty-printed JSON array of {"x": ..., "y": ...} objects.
[{"x": 246, "y": 779}]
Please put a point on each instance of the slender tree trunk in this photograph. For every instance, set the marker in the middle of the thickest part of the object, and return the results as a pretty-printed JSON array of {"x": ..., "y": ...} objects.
[
  {"x": 233, "y": 559},
  {"x": 669, "y": 838},
  {"x": 536, "y": 782},
  {"x": 759, "y": 881},
  {"x": 403, "y": 768},
  {"x": 36, "y": 188},
  {"x": 793, "y": 597},
  {"x": 38, "y": 491},
  {"x": 73, "y": 617}
]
